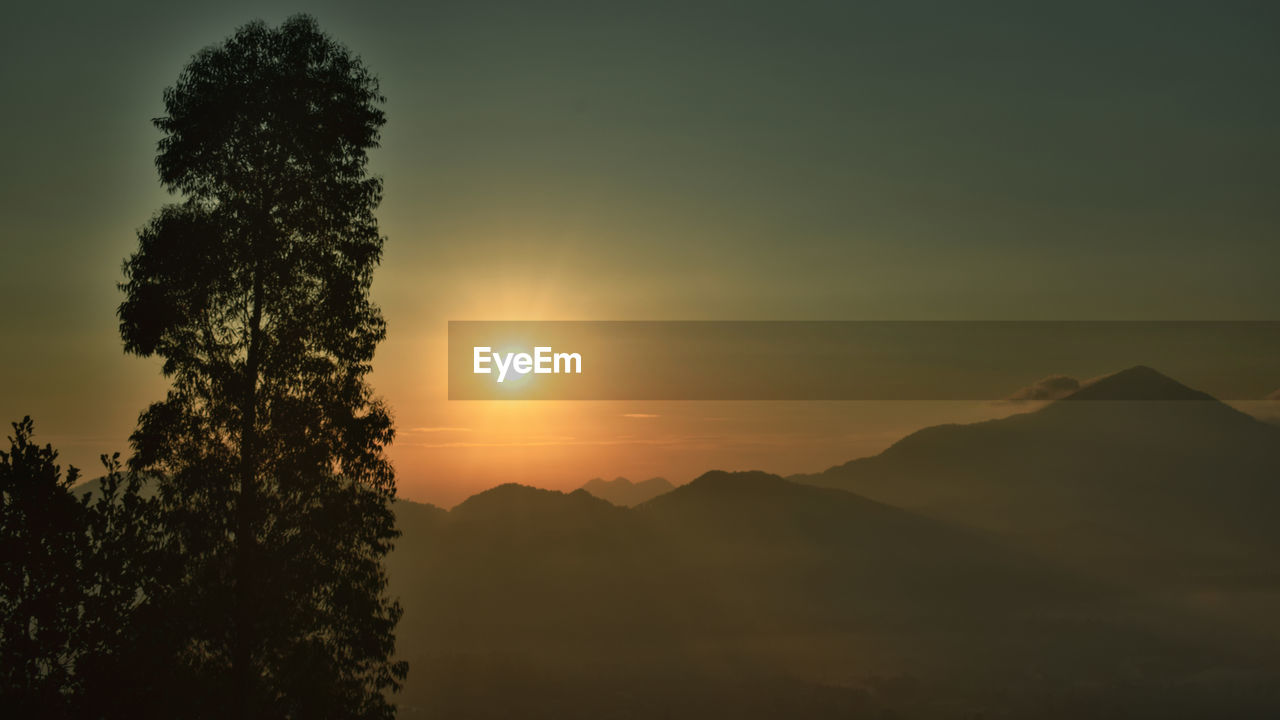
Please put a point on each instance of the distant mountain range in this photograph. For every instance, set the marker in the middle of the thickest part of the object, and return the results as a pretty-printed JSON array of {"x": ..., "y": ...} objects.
[
  {"x": 1134, "y": 472},
  {"x": 1110, "y": 554},
  {"x": 623, "y": 492},
  {"x": 557, "y": 605}
]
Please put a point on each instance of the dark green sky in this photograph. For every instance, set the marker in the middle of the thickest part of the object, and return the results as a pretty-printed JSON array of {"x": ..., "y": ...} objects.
[{"x": 849, "y": 160}]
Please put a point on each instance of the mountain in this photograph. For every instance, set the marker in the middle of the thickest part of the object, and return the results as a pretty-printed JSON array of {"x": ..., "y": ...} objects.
[
  {"x": 836, "y": 555},
  {"x": 623, "y": 492},
  {"x": 747, "y": 595},
  {"x": 1138, "y": 383},
  {"x": 1135, "y": 473}
]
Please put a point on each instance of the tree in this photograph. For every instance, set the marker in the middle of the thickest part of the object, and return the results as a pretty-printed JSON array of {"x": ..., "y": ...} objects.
[
  {"x": 41, "y": 547},
  {"x": 75, "y": 577},
  {"x": 127, "y": 577},
  {"x": 254, "y": 289}
]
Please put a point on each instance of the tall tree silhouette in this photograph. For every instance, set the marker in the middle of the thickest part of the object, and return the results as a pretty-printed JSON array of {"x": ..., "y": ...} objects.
[{"x": 254, "y": 289}]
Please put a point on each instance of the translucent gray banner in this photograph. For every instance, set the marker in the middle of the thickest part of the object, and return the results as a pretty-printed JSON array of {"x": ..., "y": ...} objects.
[{"x": 888, "y": 360}]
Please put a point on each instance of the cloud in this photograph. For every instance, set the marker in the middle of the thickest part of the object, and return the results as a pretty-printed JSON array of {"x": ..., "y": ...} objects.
[
  {"x": 1049, "y": 388},
  {"x": 639, "y": 415}
]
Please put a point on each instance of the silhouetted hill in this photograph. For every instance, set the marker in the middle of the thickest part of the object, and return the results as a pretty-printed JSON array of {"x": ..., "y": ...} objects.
[
  {"x": 621, "y": 491},
  {"x": 748, "y": 595},
  {"x": 1138, "y": 383},
  {"x": 513, "y": 503},
  {"x": 1151, "y": 477},
  {"x": 719, "y": 485},
  {"x": 836, "y": 554},
  {"x": 418, "y": 516}
]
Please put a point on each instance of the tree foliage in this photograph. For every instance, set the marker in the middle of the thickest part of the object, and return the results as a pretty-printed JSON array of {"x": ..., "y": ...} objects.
[
  {"x": 41, "y": 546},
  {"x": 76, "y": 577},
  {"x": 254, "y": 289}
]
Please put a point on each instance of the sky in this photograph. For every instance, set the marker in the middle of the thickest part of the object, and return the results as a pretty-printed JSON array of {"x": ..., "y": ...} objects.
[{"x": 658, "y": 161}]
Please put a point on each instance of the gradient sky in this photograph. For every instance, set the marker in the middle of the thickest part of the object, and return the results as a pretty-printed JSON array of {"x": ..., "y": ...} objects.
[{"x": 658, "y": 161}]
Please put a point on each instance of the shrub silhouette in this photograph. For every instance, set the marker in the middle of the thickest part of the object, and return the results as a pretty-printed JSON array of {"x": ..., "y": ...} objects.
[{"x": 79, "y": 580}]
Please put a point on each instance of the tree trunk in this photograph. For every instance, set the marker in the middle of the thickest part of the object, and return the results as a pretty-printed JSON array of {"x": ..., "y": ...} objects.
[{"x": 245, "y": 637}]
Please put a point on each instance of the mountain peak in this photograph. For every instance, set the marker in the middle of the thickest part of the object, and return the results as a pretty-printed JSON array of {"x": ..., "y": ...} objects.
[
  {"x": 1138, "y": 383},
  {"x": 748, "y": 482},
  {"x": 524, "y": 499}
]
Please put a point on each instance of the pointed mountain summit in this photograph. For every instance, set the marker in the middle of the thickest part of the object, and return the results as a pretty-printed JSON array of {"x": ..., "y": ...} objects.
[{"x": 1139, "y": 383}]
